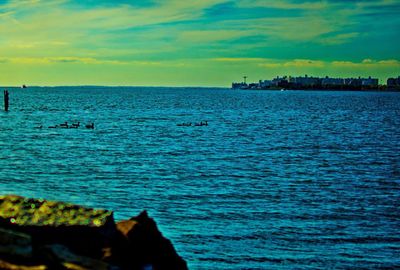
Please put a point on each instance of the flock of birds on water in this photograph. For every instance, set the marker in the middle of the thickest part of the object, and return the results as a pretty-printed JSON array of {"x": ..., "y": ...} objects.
[
  {"x": 73, "y": 125},
  {"x": 91, "y": 125},
  {"x": 202, "y": 123}
]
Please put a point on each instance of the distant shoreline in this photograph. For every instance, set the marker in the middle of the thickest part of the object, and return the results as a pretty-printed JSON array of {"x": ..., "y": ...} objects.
[
  {"x": 273, "y": 89},
  {"x": 320, "y": 89},
  {"x": 112, "y": 86},
  {"x": 320, "y": 83}
]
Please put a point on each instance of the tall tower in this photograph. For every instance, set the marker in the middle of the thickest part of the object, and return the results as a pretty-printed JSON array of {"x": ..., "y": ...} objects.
[{"x": 244, "y": 77}]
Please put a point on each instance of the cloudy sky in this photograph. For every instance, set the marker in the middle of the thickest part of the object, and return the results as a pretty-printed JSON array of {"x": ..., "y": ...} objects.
[{"x": 194, "y": 43}]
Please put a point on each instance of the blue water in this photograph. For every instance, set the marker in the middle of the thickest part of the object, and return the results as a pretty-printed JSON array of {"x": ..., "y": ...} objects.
[{"x": 277, "y": 180}]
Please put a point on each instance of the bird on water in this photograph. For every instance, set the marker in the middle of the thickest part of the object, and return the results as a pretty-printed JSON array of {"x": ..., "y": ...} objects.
[{"x": 90, "y": 126}]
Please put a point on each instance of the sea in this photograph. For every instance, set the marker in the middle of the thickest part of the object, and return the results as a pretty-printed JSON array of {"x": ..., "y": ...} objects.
[{"x": 274, "y": 180}]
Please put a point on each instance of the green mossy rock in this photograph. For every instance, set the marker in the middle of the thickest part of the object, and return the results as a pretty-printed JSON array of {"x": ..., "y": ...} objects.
[{"x": 22, "y": 211}]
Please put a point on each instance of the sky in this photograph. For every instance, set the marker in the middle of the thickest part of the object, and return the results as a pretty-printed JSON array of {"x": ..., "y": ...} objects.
[{"x": 195, "y": 43}]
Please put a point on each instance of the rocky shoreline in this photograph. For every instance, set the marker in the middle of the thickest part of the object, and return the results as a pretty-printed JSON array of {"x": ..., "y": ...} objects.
[{"x": 39, "y": 234}]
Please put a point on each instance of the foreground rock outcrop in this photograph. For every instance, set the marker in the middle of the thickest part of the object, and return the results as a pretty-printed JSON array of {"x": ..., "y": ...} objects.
[{"x": 40, "y": 234}]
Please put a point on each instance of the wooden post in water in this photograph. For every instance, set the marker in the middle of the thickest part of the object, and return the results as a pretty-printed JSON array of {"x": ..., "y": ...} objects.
[{"x": 6, "y": 99}]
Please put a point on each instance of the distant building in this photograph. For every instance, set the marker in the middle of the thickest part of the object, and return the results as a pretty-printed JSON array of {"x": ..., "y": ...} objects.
[
  {"x": 241, "y": 85},
  {"x": 393, "y": 82},
  {"x": 279, "y": 82},
  {"x": 370, "y": 82},
  {"x": 332, "y": 81},
  {"x": 265, "y": 84},
  {"x": 305, "y": 81},
  {"x": 353, "y": 81}
]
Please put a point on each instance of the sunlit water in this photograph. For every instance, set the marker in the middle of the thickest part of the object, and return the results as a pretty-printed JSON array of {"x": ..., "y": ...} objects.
[{"x": 277, "y": 180}]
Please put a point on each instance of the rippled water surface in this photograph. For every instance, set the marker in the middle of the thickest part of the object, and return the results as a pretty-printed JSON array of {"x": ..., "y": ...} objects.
[{"x": 276, "y": 180}]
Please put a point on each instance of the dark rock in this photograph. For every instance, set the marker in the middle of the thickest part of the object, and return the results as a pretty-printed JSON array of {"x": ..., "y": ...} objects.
[
  {"x": 140, "y": 239},
  {"x": 51, "y": 222},
  {"x": 40, "y": 234},
  {"x": 12, "y": 266},
  {"x": 15, "y": 244},
  {"x": 61, "y": 257}
]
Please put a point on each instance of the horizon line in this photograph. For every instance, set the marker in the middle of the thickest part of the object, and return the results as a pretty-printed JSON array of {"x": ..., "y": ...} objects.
[{"x": 98, "y": 85}]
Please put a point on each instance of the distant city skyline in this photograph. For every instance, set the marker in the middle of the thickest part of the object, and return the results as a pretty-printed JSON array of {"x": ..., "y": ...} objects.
[
  {"x": 195, "y": 43},
  {"x": 319, "y": 83}
]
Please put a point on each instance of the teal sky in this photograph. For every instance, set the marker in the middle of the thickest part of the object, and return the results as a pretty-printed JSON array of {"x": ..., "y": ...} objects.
[{"x": 194, "y": 43}]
